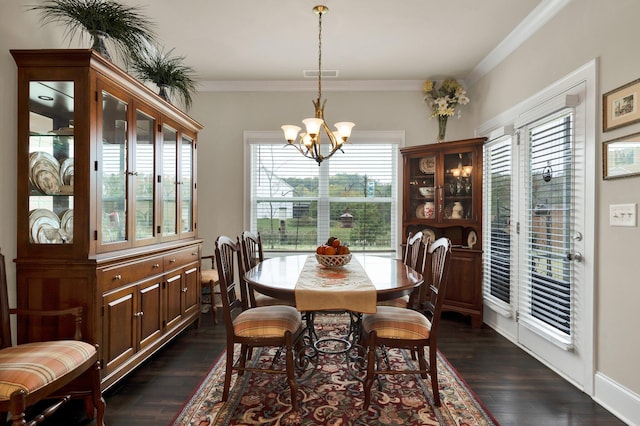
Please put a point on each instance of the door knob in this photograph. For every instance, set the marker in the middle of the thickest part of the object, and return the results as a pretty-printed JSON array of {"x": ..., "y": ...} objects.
[{"x": 577, "y": 256}]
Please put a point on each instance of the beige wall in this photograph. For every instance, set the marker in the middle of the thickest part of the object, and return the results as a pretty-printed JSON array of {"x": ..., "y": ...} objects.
[{"x": 584, "y": 30}]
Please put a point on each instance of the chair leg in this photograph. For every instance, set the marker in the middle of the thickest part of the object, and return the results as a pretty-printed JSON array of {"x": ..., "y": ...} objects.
[
  {"x": 17, "y": 407},
  {"x": 227, "y": 372},
  {"x": 96, "y": 395},
  {"x": 371, "y": 365},
  {"x": 293, "y": 386},
  {"x": 433, "y": 372}
]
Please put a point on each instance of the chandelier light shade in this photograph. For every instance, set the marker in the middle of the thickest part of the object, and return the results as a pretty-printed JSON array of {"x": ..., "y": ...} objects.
[{"x": 309, "y": 143}]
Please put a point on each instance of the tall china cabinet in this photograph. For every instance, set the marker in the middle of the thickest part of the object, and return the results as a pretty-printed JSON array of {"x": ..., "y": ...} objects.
[
  {"x": 442, "y": 196},
  {"x": 106, "y": 207}
]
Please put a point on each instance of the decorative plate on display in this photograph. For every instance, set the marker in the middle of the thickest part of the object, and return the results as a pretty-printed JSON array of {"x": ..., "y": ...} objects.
[
  {"x": 428, "y": 235},
  {"x": 44, "y": 227},
  {"x": 472, "y": 239},
  {"x": 420, "y": 213},
  {"x": 44, "y": 173},
  {"x": 66, "y": 171},
  {"x": 66, "y": 226},
  {"x": 428, "y": 164}
]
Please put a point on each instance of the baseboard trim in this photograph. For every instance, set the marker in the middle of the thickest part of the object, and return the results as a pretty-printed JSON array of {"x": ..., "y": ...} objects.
[{"x": 620, "y": 401}]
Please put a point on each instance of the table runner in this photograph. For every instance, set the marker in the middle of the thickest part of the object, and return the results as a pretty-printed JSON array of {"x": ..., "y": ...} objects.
[{"x": 345, "y": 288}]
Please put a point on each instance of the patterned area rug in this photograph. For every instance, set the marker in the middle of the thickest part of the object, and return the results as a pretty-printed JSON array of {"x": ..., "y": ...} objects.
[{"x": 329, "y": 395}]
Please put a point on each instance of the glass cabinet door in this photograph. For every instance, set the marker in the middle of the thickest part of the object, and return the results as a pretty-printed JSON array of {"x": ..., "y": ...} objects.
[
  {"x": 51, "y": 162},
  {"x": 423, "y": 187},
  {"x": 144, "y": 173},
  {"x": 186, "y": 184},
  {"x": 169, "y": 180},
  {"x": 114, "y": 160},
  {"x": 458, "y": 189}
]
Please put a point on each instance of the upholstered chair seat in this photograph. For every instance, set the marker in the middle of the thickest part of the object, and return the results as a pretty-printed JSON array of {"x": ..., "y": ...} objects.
[
  {"x": 272, "y": 321},
  {"x": 397, "y": 323}
]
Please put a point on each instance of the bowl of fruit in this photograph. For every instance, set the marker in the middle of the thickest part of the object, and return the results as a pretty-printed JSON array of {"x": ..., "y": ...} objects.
[{"x": 333, "y": 254}]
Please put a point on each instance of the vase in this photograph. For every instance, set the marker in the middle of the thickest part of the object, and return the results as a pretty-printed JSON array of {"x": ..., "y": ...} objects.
[
  {"x": 164, "y": 92},
  {"x": 99, "y": 45},
  {"x": 442, "y": 127}
]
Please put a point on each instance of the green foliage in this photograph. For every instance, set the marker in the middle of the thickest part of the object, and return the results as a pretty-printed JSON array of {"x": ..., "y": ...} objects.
[
  {"x": 163, "y": 69},
  {"x": 124, "y": 25}
]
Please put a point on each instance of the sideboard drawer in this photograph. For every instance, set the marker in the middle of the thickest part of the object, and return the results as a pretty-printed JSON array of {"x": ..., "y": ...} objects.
[
  {"x": 180, "y": 258},
  {"x": 125, "y": 273}
]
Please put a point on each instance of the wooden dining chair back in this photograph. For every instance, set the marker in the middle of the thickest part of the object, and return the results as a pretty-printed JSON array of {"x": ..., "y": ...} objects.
[
  {"x": 392, "y": 327},
  {"x": 252, "y": 254},
  {"x": 52, "y": 370},
  {"x": 415, "y": 255},
  {"x": 253, "y": 327}
]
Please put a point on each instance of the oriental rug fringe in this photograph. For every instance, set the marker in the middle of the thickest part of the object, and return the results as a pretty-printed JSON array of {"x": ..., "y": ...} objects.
[{"x": 332, "y": 396}]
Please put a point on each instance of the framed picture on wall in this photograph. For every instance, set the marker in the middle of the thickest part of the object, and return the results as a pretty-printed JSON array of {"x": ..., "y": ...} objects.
[
  {"x": 621, "y": 106},
  {"x": 621, "y": 157}
]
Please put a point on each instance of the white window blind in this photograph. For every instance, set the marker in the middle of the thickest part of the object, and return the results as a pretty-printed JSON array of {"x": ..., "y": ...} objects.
[
  {"x": 296, "y": 204},
  {"x": 545, "y": 271},
  {"x": 498, "y": 178}
]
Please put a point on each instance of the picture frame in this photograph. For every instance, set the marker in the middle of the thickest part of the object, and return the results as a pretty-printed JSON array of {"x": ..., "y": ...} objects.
[
  {"x": 621, "y": 157},
  {"x": 621, "y": 106}
]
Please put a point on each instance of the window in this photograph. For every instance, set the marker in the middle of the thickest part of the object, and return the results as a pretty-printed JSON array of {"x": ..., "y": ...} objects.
[
  {"x": 296, "y": 204},
  {"x": 498, "y": 169}
]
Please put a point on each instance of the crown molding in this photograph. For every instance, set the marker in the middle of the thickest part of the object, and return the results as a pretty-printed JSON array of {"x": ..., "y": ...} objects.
[{"x": 311, "y": 86}]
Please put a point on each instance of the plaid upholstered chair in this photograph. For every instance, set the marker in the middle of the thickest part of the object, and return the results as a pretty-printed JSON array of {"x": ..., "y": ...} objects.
[
  {"x": 53, "y": 370},
  {"x": 209, "y": 283},
  {"x": 278, "y": 326},
  {"x": 252, "y": 254},
  {"x": 392, "y": 327}
]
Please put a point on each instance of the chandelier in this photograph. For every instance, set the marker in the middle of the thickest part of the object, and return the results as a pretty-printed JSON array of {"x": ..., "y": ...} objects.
[{"x": 309, "y": 143}]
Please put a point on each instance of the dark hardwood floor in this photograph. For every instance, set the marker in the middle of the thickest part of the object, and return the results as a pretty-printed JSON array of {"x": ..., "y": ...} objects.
[{"x": 515, "y": 388}]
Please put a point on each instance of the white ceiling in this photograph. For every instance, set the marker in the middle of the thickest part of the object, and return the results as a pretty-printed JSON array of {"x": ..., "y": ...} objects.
[{"x": 227, "y": 42}]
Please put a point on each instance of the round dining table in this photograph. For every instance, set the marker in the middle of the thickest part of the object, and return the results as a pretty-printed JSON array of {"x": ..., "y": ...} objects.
[{"x": 277, "y": 276}]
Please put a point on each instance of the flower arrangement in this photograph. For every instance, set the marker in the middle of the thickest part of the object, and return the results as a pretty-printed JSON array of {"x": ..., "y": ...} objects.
[{"x": 443, "y": 101}]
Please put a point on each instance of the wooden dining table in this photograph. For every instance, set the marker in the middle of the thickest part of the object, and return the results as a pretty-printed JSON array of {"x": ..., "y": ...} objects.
[{"x": 278, "y": 276}]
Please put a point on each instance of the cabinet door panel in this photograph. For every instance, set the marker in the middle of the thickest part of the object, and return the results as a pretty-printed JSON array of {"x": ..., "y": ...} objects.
[
  {"x": 173, "y": 307},
  {"x": 169, "y": 181},
  {"x": 151, "y": 314},
  {"x": 191, "y": 287},
  {"x": 144, "y": 176},
  {"x": 119, "y": 334}
]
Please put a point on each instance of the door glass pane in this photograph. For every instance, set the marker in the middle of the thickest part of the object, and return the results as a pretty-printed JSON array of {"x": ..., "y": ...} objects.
[
  {"x": 169, "y": 174},
  {"x": 114, "y": 169},
  {"x": 458, "y": 191},
  {"x": 186, "y": 184},
  {"x": 549, "y": 222},
  {"x": 144, "y": 175},
  {"x": 497, "y": 258},
  {"x": 51, "y": 162}
]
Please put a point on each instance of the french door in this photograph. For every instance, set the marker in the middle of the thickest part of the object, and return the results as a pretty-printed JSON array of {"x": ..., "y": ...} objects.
[{"x": 537, "y": 240}]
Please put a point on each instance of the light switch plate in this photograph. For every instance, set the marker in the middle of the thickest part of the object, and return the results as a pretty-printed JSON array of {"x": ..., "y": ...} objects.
[{"x": 622, "y": 215}]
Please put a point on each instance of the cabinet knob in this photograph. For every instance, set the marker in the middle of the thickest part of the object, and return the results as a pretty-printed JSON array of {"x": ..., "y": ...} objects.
[
  {"x": 184, "y": 289},
  {"x": 117, "y": 277},
  {"x": 172, "y": 261},
  {"x": 194, "y": 253},
  {"x": 156, "y": 265},
  {"x": 138, "y": 314}
]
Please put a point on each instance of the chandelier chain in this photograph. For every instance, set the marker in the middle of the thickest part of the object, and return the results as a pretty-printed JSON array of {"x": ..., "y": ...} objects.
[{"x": 320, "y": 54}]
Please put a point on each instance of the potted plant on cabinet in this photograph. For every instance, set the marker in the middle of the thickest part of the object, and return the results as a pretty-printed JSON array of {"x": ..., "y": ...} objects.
[
  {"x": 168, "y": 72},
  {"x": 110, "y": 21}
]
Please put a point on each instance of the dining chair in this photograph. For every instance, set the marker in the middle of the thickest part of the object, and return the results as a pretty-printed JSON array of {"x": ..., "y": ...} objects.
[
  {"x": 209, "y": 285},
  {"x": 252, "y": 254},
  {"x": 253, "y": 327},
  {"x": 55, "y": 370},
  {"x": 415, "y": 256},
  {"x": 392, "y": 327}
]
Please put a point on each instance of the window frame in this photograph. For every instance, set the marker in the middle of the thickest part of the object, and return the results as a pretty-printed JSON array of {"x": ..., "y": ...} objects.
[{"x": 393, "y": 137}]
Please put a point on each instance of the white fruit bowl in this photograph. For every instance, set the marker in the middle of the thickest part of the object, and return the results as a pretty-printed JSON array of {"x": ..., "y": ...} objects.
[{"x": 333, "y": 261}]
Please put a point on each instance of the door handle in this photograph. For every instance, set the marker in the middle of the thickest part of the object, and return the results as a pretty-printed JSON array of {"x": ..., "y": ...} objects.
[{"x": 577, "y": 256}]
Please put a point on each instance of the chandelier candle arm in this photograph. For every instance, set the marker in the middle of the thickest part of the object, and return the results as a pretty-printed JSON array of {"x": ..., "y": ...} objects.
[{"x": 310, "y": 143}]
